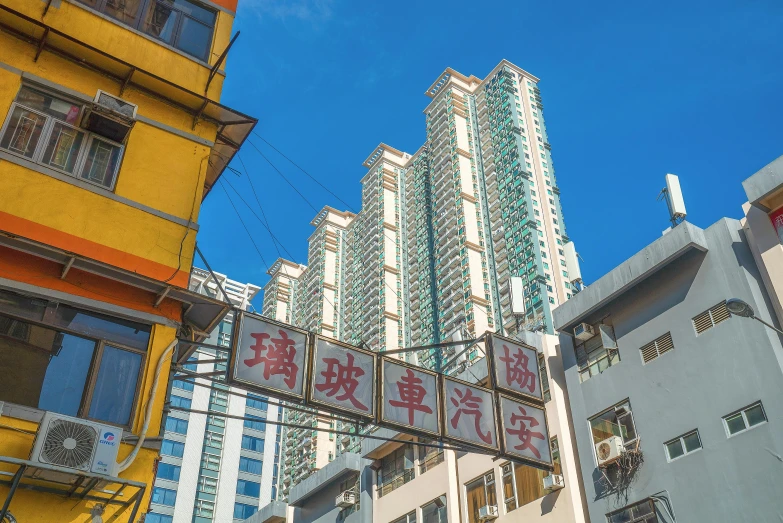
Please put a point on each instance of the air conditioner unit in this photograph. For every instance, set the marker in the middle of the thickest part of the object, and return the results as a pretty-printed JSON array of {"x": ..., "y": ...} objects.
[
  {"x": 554, "y": 482},
  {"x": 584, "y": 331},
  {"x": 77, "y": 444},
  {"x": 488, "y": 512},
  {"x": 609, "y": 450},
  {"x": 345, "y": 499},
  {"x": 109, "y": 116}
]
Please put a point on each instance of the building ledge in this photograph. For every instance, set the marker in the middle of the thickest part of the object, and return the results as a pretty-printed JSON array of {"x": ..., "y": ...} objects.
[
  {"x": 274, "y": 512},
  {"x": 674, "y": 244},
  {"x": 342, "y": 466},
  {"x": 765, "y": 188}
]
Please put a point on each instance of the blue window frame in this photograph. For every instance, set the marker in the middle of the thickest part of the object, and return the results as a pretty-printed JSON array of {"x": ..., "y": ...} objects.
[
  {"x": 164, "y": 496},
  {"x": 251, "y": 443},
  {"x": 172, "y": 448},
  {"x": 179, "y": 401},
  {"x": 168, "y": 471},
  {"x": 248, "y": 488},
  {"x": 253, "y": 424},
  {"x": 152, "y": 517},
  {"x": 242, "y": 511},
  {"x": 253, "y": 466},
  {"x": 256, "y": 402},
  {"x": 180, "y": 426}
]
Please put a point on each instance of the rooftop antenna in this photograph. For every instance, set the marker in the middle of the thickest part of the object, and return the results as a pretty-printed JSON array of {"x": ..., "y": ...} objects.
[{"x": 674, "y": 200}]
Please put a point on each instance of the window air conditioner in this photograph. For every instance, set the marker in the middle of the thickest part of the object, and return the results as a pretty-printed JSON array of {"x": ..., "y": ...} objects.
[
  {"x": 110, "y": 117},
  {"x": 553, "y": 482},
  {"x": 345, "y": 499},
  {"x": 77, "y": 444},
  {"x": 488, "y": 512},
  {"x": 609, "y": 450},
  {"x": 584, "y": 331}
]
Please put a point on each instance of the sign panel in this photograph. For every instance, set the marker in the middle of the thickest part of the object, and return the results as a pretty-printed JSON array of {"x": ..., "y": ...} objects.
[
  {"x": 525, "y": 433},
  {"x": 343, "y": 378},
  {"x": 270, "y": 357},
  {"x": 515, "y": 368},
  {"x": 777, "y": 222},
  {"x": 469, "y": 414},
  {"x": 410, "y": 397}
]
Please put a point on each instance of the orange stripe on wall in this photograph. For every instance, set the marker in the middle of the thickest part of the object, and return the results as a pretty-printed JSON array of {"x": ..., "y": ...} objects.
[
  {"x": 228, "y": 4},
  {"x": 27, "y": 268},
  {"x": 90, "y": 249}
]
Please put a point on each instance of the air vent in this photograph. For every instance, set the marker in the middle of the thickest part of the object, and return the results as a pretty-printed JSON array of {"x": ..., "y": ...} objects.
[
  {"x": 69, "y": 444},
  {"x": 657, "y": 347},
  {"x": 711, "y": 317}
]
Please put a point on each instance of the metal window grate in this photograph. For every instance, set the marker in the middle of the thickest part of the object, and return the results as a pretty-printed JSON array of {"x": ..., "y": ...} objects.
[
  {"x": 711, "y": 317},
  {"x": 657, "y": 347}
]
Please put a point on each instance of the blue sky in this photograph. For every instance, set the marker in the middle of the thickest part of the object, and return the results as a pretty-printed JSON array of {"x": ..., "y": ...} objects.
[{"x": 630, "y": 91}]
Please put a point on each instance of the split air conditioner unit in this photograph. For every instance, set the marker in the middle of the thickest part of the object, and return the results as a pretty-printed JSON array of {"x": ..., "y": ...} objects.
[
  {"x": 77, "y": 444},
  {"x": 488, "y": 512},
  {"x": 345, "y": 499},
  {"x": 553, "y": 482},
  {"x": 110, "y": 116},
  {"x": 609, "y": 450},
  {"x": 584, "y": 331}
]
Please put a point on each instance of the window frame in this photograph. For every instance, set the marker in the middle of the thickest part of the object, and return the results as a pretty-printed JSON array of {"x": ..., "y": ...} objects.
[
  {"x": 43, "y": 140},
  {"x": 744, "y": 419},
  {"x": 624, "y": 403},
  {"x": 681, "y": 439},
  {"x": 95, "y": 363}
]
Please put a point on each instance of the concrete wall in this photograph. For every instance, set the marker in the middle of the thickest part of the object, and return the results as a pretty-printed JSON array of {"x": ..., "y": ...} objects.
[{"x": 705, "y": 377}]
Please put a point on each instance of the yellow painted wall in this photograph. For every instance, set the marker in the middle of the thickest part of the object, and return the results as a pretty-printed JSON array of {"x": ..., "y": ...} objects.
[{"x": 34, "y": 507}]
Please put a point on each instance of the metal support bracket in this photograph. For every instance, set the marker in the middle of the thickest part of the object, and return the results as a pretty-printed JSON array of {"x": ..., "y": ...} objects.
[
  {"x": 41, "y": 44},
  {"x": 127, "y": 80},
  {"x": 219, "y": 62},
  {"x": 161, "y": 296},
  {"x": 67, "y": 267},
  {"x": 198, "y": 114},
  {"x": 46, "y": 10}
]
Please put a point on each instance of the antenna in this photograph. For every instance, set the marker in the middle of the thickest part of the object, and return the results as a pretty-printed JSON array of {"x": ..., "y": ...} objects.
[{"x": 674, "y": 200}]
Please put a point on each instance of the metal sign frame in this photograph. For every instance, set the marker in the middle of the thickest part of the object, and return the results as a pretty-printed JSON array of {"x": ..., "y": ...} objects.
[
  {"x": 408, "y": 429},
  {"x": 512, "y": 454},
  {"x": 239, "y": 318},
  {"x": 343, "y": 411},
  {"x": 494, "y": 371}
]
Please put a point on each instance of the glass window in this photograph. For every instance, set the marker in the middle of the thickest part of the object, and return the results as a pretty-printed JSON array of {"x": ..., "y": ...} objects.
[
  {"x": 480, "y": 493},
  {"x": 251, "y": 443},
  {"x": 168, "y": 471},
  {"x": 115, "y": 388},
  {"x": 435, "y": 512},
  {"x": 745, "y": 419},
  {"x": 253, "y": 466},
  {"x": 172, "y": 448},
  {"x": 179, "y": 426},
  {"x": 429, "y": 457},
  {"x": 207, "y": 485},
  {"x": 184, "y": 385},
  {"x": 253, "y": 424},
  {"x": 643, "y": 512},
  {"x": 248, "y": 488},
  {"x": 616, "y": 421},
  {"x": 204, "y": 508},
  {"x": 683, "y": 445},
  {"x": 153, "y": 517},
  {"x": 407, "y": 518},
  {"x": 62, "y": 149},
  {"x": 242, "y": 511},
  {"x": 256, "y": 402},
  {"x": 396, "y": 470},
  {"x": 101, "y": 162},
  {"x": 179, "y": 401},
  {"x": 164, "y": 496},
  {"x": 95, "y": 325}
]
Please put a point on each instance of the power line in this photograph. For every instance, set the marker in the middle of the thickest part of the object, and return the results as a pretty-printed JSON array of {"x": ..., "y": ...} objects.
[
  {"x": 243, "y": 224},
  {"x": 258, "y": 201},
  {"x": 307, "y": 173},
  {"x": 282, "y": 175}
]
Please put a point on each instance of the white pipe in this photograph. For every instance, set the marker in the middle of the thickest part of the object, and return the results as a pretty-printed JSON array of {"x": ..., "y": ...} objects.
[{"x": 127, "y": 462}]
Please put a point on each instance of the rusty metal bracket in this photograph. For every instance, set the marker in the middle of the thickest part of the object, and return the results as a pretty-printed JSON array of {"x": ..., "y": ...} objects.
[
  {"x": 127, "y": 80},
  {"x": 199, "y": 113},
  {"x": 219, "y": 62},
  {"x": 46, "y": 9},
  {"x": 41, "y": 44}
]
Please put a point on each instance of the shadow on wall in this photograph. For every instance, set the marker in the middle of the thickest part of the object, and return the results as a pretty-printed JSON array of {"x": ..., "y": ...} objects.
[{"x": 548, "y": 502}]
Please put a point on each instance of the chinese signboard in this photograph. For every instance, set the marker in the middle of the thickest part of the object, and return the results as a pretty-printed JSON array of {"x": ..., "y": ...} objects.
[
  {"x": 270, "y": 356},
  {"x": 777, "y": 222},
  {"x": 343, "y": 377},
  {"x": 410, "y": 397},
  {"x": 525, "y": 431},
  {"x": 515, "y": 368},
  {"x": 469, "y": 414}
]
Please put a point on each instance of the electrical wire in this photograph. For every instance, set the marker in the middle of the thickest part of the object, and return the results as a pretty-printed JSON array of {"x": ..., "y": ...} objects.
[
  {"x": 243, "y": 225},
  {"x": 281, "y": 175}
]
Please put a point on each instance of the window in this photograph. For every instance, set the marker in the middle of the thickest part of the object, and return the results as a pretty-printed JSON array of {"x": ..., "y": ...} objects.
[
  {"x": 643, "y": 512},
  {"x": 75, "y": 367},
  {"x": 182, "y": 24},
  {"x": 544, "y": 378},
  {"x": 248, "y": 488},
  {"x": 207, "y": 485},
  {"x": 256, "y": 402},
  {"x": 179, "y": 426},
  {"x": 164, "y": 496},
  {"x": 615, "y": 421},
  {"x": 429, "y": 457},
  {"x": 407, "y": 518},
  {"x": 253, "y": 466},
  {"x": 657, "y": 347},
  {"x": 172, "y": 448},
  {"x": 523, "y": 484},
  {"x": 213, "y": 440},
  {"x": 242, "y": 511},
  {"x": 251, "y": 443},
  {"x": 210, "y": 462},
  {"x": 711, "y": 317},
  {"x": 595, "y": 355},
  {"x": 204, "y": 508},
  {"x": 152, "y": 517},
  {"x": 396, "y": 470},
  {"x": 183, "y": 385},
  {"x": 435, "y": 511},
  {"x": 179, "y": 401},
  {"x": 168, "y": 471},
  {"x": 41, "y": 128},
  {"x": 744, "y": 419},
  {"x": 685, "y": 444},
  {"x": 253, "y": 424},
  {"x": 480, "y": 493}
]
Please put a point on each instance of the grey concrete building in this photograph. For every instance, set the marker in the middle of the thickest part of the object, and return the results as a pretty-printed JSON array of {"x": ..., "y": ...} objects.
[{"x": 677, "y": 399}]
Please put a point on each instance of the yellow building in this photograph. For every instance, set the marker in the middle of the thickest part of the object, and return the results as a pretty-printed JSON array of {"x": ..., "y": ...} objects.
[{"x": 112, "y": 135}]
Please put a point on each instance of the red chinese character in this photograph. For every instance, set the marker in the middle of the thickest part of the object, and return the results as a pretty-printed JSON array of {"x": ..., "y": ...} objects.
[
  {"x": 342, "y": 378},
  {"x": 471, "y": 408},
  {"x": 279, "y": 357},
  {"x": 524, "y": 433},
  {"x": 517, "y": 371},
  {"x": 412, "y": 394}
]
